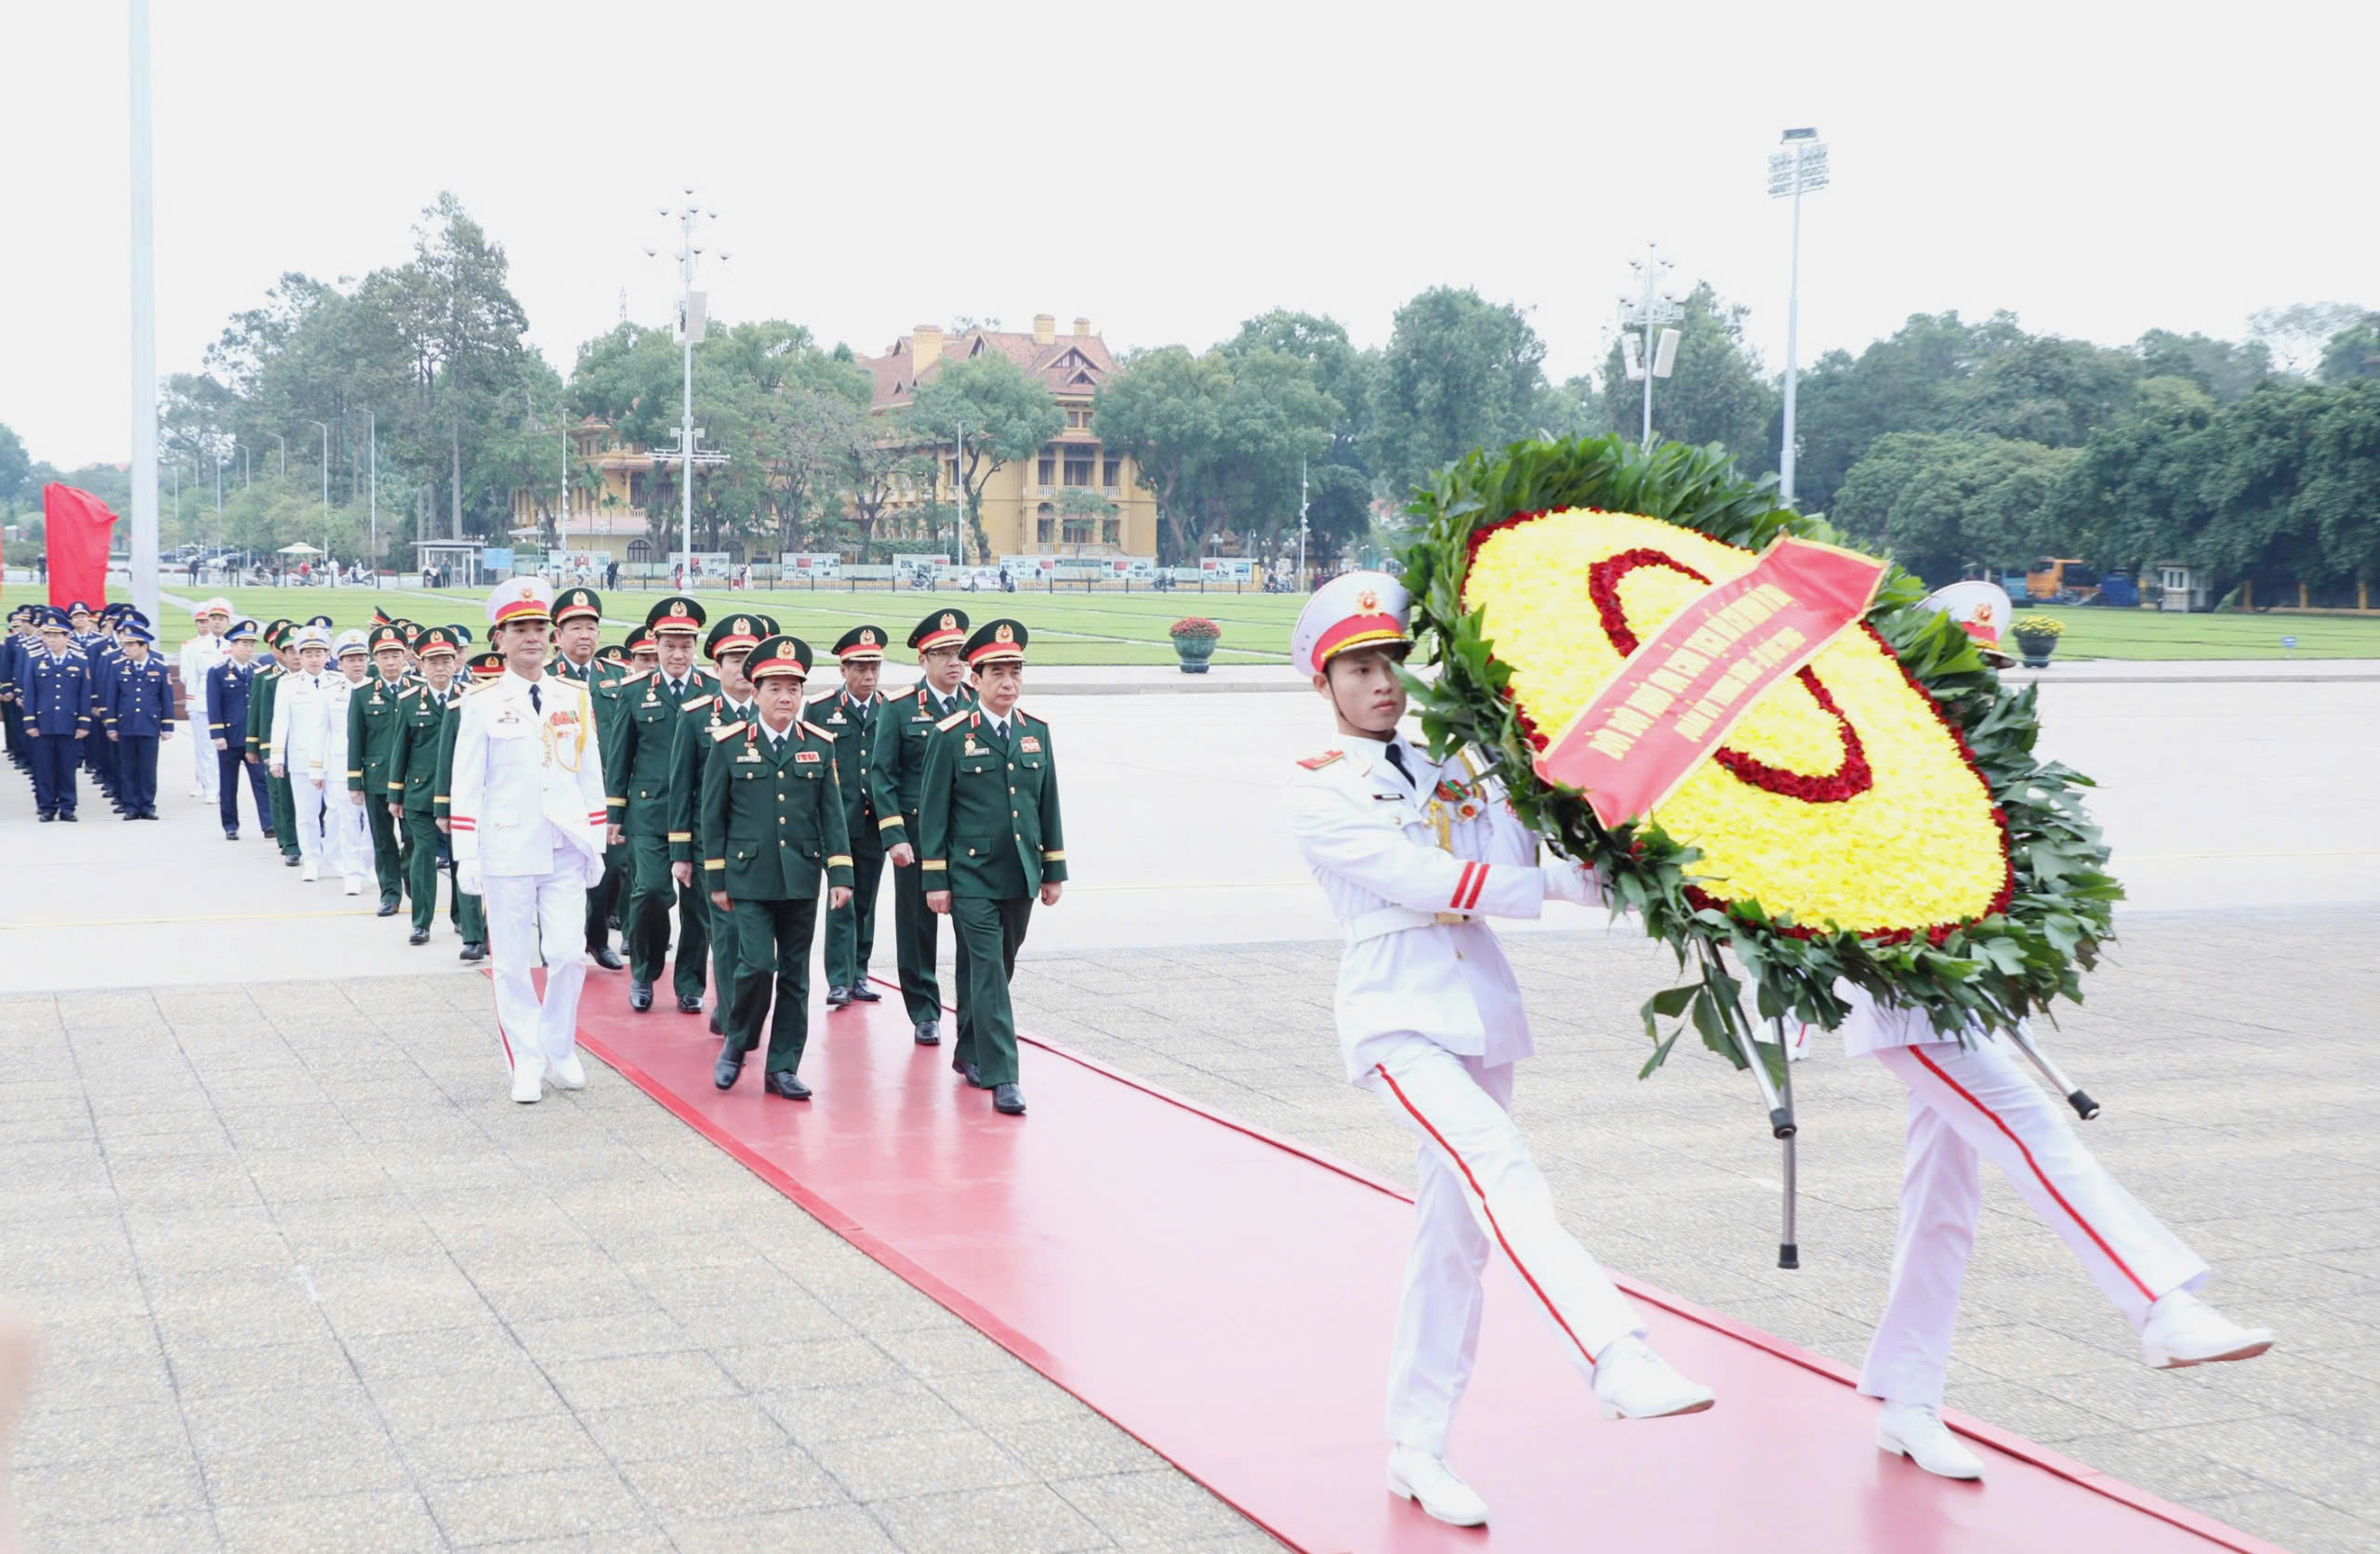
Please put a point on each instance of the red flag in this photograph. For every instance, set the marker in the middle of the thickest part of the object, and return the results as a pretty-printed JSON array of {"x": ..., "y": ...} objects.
[
  {"x": 78, "y": 525},
  {"x": 1678, "y": 694}
]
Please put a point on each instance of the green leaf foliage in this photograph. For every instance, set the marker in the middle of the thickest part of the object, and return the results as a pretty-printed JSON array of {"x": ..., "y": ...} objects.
[{"x": 1991, "y": 972}]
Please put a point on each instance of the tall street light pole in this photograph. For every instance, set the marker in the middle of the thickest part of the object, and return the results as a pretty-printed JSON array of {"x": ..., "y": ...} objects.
[
  {"x": 1645, "y": 356},
  {"x": 145, "y": 323},
  {"x": 326, "y": 486},
  {"x": 693, "y": 307},
  {"x": 1799, "y": 169},
  {"x": 372, "y": 421},
  {"x": 1299, "y": 581}
]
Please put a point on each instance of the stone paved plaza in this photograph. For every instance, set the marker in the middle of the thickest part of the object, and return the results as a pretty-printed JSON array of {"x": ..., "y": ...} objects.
[{"x": 308, "y": 1281}]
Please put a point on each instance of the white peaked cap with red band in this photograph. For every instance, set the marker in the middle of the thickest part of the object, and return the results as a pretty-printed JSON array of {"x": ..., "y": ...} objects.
[
  {"x": 1353, "y": 609},
  {"x": 520, "y": 599}
]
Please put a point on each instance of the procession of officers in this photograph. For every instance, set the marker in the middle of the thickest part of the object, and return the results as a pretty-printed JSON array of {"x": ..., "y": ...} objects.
[{"x": 735, "y": 803}]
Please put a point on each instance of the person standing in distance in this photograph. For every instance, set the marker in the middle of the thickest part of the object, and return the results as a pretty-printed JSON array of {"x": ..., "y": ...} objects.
[
  {"x": 578, "y": 624},
  {"x": 372, "y": 717},
  {"x": 770, "y": 819},
  {"x": 469, "y": 911},
  {"x": 849, "y": 716},
  {"x": 300, "y": 742},
  {"x": 989, "y": 829},
  {"x": 229, "y": 687},
  {"x": 896, "y": 766},
  {"x": 636, "y": 771},
  {"x": 1411, "y": 853},
  {"x": 60, "y": 713},
  {"x": 139, "y": 712},
  {"x": 527, "y": 822},
  {"x": 413, "y": 772}
]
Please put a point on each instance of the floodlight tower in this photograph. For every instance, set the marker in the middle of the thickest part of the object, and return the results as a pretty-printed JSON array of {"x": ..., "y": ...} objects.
[
  {"x": 693, "y": 310},
  {"x": 1799, "y": 169},
  {"x": 1645, "y": 356}
]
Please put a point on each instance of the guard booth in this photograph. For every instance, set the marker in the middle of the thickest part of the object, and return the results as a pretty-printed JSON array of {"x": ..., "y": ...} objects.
[
  {"x": 2185, "y": 586},
  {"x": 457, "y": 560}
]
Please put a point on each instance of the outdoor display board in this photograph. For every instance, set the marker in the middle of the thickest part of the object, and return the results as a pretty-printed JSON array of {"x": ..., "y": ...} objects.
[
  {"x": 714, "y": 564},
  {"x": 1227, "y": 569},
  {"x": 803, "y": 563},
  {"x": 905, "y": 567}
]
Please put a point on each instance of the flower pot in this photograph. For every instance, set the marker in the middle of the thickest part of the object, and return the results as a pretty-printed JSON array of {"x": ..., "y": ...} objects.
[
  {"x": 1193, "y": 651},
  {"x": 2036, "y": 650}
]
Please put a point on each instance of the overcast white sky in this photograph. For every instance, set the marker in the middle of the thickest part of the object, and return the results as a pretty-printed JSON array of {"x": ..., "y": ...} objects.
[{"x": 1168, "y": 169}]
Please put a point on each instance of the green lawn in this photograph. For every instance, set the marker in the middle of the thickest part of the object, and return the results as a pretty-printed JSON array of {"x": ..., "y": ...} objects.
[
  {"x": 2101, "y": 632},
  {"x": 1130, "y": 629}
]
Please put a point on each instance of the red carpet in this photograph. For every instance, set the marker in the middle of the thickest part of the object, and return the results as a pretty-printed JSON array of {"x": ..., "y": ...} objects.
[{"x": 1227, "y": 1299}]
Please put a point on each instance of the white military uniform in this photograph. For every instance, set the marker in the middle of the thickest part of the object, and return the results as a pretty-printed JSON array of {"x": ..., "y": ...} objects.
[
  {"x": 1973, "y": 1103},
  {"x": 347, "y": 844},
  {"x": 201, "y": 652},
  {"x": 302, "y": 744},
  {"x": 528, "y": 824},
  {"x": 1412, "y": 856}
]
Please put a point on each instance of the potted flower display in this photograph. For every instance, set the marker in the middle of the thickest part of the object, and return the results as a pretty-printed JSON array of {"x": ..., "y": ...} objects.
[
  {"x": 1194, "y": 643},
  {"x": 2037, "y": 639}
]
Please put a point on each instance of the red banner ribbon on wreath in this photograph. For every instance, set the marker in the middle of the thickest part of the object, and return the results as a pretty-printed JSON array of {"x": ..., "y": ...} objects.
[{"x": 1680, "y": 694}]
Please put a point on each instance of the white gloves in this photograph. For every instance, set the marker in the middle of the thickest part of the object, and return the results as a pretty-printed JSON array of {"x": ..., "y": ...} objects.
[
  {"x": 593, "y": 872},
  {"x": 1572, "y": 882},
  {"x": 467, "y": 877}
]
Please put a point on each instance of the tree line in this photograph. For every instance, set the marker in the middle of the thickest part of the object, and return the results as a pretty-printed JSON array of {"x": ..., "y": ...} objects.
[{"x": 1958, "y": 447}]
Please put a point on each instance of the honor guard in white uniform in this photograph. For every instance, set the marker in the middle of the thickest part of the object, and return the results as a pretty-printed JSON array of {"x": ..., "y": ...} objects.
[
  {"x": 1970, "y": 1101},
  {"x": 1413, "y": 855},
  {"x": 527, "y": 821},
  {"x": 204, "y": 650},
  {"x": 302, "y": 744},
  {"x": 347, "y": 844}
]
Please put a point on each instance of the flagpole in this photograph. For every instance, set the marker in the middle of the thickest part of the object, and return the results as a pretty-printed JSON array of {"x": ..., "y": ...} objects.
[{"x": 144, "y": 329}]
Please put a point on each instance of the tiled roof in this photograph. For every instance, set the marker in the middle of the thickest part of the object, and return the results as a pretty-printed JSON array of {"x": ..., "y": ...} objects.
[{"x": 1062, "y": 363}]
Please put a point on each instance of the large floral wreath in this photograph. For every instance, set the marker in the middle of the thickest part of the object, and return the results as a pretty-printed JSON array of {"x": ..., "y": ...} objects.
[{"x": 1879, "y": 817}]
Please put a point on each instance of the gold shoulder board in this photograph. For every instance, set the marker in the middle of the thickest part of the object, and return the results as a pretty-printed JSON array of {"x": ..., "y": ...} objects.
[
  {"x": 726, "y": 731},
  {"x": 956, "y": 718}
]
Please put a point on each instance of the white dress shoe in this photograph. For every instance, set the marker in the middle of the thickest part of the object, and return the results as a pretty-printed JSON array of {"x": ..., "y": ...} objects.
[
  {"x": 1916, "y": 1432},
  {"x": 568, "y": 1074},
  {"x": 354, "y": 885},
  {"x": 1631, "y": 1382},
  {"x": 311, "y": 872},
  {"x": 527, "y": 1073},
  {"x": 1429, "y": 1482},
  {"x": 2183, "y": 1330}
]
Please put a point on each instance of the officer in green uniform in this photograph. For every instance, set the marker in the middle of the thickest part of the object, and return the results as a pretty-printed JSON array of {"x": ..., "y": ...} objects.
[
  {"x": 771, "y": 820},
  {"x": 730, "y": 639},
  {"x": 579, "y": 621},
  {"x": 469, "y": 911},
  {"x": 259, "y": 741},
  {"x": 636, "y": 772},
  {"x": 413, "y": 771},
  {"x": 991, "y": 840},
  {"x": 850, "y": 716},
  {"x": 371, "y": 740},
  {"x": 896, "y": 765}
]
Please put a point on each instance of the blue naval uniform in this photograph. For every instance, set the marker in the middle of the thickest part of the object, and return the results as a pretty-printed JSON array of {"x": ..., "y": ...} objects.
[
  {"x": 59, "y": 714},
  {"x": 227, "y": 687},
  {"x": 13, "y": 647},
  {"x": 138, "y": 711}
]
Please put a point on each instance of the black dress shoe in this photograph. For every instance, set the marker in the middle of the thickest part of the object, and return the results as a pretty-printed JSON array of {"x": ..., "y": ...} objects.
[
  {"x": 474, "y": 951},
  {"x": 46, "y": 817},
  {"x": 608, "y": 958},
  {"x": 958, "y": 1063},
  {"x": 290, "y": 860},
  {"x": 230, "y": 836},
  {"x": 387, "y": 909},
  {"x": 861, "y": 992},
  {"x": 418, "y": 936},
  {"x": 69, "y": 815},
  {"x": 1009, "y": 1100},
  {"x": 716, "y": 1028},
  {"x": 639, "y": 996},
  {"x": 838, "y": 997},
  {"x": 928, "y": 1033},
  {"x": 689, "y": 1003},
  {"x": 781, "y": 1082},
  {"x": 976, "y": 1077},
  {"x": 729, "y": 1068}
]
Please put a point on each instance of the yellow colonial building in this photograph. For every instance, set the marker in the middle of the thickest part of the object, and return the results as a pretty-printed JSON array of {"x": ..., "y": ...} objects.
[
  {"x": 606, "y": 519},
  {"x": 1025, "y": 504}
]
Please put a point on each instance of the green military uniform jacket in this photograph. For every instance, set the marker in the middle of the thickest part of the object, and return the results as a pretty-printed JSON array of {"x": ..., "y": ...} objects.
[
  {"x": 772, "y": 821},
  {"x": 897, "y": 760},
  {"x": 413, "y": 763},
  {"x": 636, "y": 770},
  {"x": 700, "y": 718},
  {"x": 261, "y": 691},
  {"x": 987, "y": 808},
  {"x": 852, "y": 726},
  {"x": 441, "y": 798},
  {"x": 371, "y": 736}
]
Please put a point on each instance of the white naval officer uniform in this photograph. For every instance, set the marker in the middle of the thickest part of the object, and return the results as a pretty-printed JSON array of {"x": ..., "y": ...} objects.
[
  {"x": 302, "y": 744},
  {"x": 1967, "y": 1103},
  {"x": 201, "y": 653},
  {"x": 1430, "y": 1020},
  {"x": 347, "y": 844},
  {"x": 527, "y": 819}
]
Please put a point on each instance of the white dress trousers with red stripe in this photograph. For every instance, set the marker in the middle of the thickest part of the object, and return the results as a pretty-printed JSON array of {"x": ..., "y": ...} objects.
[
  {"x": 1968, "y": 1103},
  {"x": 527, "y": 812},
  {"x": 1430, "y": 1020}
]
